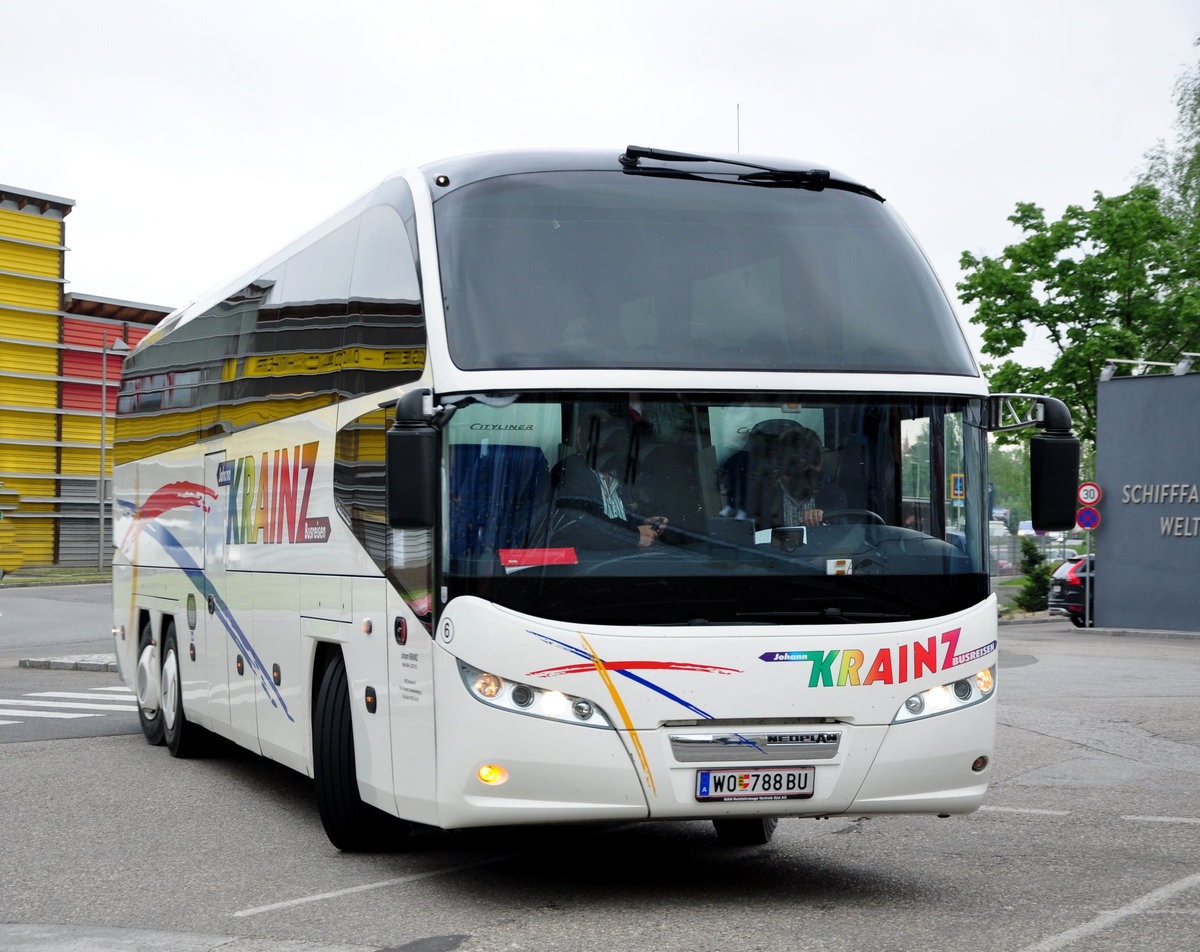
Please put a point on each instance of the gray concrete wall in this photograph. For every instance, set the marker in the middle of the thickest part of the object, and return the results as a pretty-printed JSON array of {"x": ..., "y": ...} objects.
[{"x": 1148, "y": 468}]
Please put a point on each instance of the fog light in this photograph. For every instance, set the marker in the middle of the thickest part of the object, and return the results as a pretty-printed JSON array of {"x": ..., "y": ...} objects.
[
  {"x": 915, "y": 704},
  {"x": 493, "y": 774},
  {"x": 979, "y": 764},
  {"x": 522, "y": 695},
  {"x": 489, "y": 685}
]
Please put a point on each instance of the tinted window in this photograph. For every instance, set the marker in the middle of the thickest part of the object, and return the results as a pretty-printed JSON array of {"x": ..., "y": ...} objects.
[
  {"x": 339, "y": 316},
  {"x": 596, "y": 269}
]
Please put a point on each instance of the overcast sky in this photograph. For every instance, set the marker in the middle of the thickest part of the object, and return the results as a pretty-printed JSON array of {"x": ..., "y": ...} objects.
[{"x": 196, "y": 139}]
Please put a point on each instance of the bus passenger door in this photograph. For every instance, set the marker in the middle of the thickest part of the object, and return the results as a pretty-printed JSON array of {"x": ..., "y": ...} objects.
[
  {"x": 410, "y": 676},
  {"x": 212, "y": 643}
]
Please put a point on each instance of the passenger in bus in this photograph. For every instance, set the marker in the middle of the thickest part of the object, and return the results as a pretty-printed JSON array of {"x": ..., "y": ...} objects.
[
  {"x": 589, "y": 508},
  {"x": 777, "y": 478},
  {"x": 804, "y": 493}
]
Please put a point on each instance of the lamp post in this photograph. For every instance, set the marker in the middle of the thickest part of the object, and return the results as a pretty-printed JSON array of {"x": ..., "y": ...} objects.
[{"x": 118, "y": 346}]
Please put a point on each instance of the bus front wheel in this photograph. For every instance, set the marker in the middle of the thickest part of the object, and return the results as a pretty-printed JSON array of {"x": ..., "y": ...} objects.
[{"x": 350, "y": 824}]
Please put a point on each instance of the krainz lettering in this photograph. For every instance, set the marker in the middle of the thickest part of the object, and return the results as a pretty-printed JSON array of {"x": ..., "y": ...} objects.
[
  {"x": 842, "y": 667},
  {"x": 263, "y": 497}
]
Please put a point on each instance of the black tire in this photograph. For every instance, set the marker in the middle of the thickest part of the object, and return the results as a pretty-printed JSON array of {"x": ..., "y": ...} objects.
[
  {"x": 351, "y": 825},
  {"x": 152, "y": 723},
  {"x": 182, "y": 737},
  {"x": 746, "y": 831},
  {"x": 1077, "y": 621}
]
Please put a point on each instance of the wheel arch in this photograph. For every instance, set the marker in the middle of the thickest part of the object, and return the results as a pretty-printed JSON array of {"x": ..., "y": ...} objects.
[{"x": 324, "y": 654}]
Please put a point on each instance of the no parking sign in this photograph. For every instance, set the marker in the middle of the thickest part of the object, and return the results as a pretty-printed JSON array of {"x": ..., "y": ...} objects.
[{"x": 1089, "y": 516}]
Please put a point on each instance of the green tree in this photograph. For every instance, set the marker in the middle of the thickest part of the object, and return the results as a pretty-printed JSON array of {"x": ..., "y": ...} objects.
[
  {"x": 1097, "y": 283},
  {"x": 1008, "y": 472},
  {"x": 1118, "y": 280},
  {"x": 1175, "y": 172},
  {"x": 1035, "y": 592}
]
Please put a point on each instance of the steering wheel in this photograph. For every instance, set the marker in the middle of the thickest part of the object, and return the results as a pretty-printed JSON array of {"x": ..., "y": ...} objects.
[{"x": 855, "y": 515}]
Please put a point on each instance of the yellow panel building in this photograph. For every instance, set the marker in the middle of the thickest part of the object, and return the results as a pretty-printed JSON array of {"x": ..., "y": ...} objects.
[{"x": 60, "y": 360}]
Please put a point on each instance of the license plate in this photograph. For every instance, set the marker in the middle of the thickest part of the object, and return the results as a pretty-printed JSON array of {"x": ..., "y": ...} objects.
[{"x": 759, "y": 783}]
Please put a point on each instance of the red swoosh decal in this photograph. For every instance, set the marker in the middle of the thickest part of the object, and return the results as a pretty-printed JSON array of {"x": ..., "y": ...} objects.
[{"x": 635, "y": 666}]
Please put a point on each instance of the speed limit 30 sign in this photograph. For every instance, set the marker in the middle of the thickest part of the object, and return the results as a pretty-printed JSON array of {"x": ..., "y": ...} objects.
[{"x": 1089, "y": 494}]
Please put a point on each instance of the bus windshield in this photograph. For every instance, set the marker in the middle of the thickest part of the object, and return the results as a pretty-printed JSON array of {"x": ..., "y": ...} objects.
[
  {"x": 624, "y": 508},
  {"x": 614, "y": 270}
]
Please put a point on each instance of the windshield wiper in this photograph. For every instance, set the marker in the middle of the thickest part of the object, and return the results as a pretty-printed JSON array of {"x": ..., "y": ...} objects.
[{"x": 813, "y": 179}]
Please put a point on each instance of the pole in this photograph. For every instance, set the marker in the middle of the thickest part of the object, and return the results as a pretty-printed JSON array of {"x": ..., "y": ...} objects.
[
  {"x": 1087, "y": 583},
  {"x": 103, "y": 440}
]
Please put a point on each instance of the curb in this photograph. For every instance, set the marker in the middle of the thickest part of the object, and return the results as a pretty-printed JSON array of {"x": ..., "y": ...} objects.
[
  {"x": 81, "y": 663},
  {"x": 19, "y": 582}
]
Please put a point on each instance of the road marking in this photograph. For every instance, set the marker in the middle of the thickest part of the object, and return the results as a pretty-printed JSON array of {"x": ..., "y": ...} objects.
[
  {"x": 1029, "y": 810},
  {"x": 8, "y": 712},
  {"x": 65, "y": 705},
  {"x": 366, "y": 887},
  {"x": 70, "y": 705},
  {"x": 1163, "y": 819},
  {"x": 1105, "y": 919}
]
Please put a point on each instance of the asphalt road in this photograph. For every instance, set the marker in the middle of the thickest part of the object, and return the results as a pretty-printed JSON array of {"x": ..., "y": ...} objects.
[
  {"x": 59, "y": 619},
  {"x": 1090, "y": 841}
]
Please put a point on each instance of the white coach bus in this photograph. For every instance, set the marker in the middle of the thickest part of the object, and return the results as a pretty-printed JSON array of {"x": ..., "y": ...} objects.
[{"x": 558, "y": 487}]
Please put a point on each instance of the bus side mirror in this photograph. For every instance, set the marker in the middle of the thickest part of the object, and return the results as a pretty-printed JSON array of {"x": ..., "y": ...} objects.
[
  {"x": 411, "y": 466},
  {"x": 1053, "y": 481}
]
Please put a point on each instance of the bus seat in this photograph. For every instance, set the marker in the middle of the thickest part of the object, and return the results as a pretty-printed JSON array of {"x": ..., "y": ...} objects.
[
  {"x": 496, "y": 495},
  {"x": 674, "y": 474}
]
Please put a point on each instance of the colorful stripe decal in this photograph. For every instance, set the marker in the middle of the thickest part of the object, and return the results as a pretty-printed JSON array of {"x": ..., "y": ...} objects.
[
  {"x": 195, "y": 574},
  {"x": 627, "y": 674},
  {"x": 637, "y": 666},
  {"x": 601, "y": 669},
  {"x": 625, "y": 669}
]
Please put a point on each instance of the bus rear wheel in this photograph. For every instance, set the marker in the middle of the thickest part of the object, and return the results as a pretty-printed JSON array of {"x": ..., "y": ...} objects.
[
  {"x": 746, "y": 831},
  {"x": 181, "y": 735},
  {"x": 351, "y": 825},
  {"x": 149, "y": 692}
]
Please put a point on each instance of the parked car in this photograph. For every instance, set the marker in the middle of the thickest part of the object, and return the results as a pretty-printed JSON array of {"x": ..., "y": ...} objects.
[{"x": 1068, "y": 585}]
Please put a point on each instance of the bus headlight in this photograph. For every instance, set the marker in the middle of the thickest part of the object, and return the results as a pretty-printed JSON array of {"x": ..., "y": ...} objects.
[
  {"x": 521, "y": 698},
  {"x": 953, "y": 696}
]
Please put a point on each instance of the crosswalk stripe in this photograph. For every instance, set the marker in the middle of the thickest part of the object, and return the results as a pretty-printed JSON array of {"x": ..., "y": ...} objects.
[
  {"x": 69, "y": 705},
  {"x": 83, "y": 696}
]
